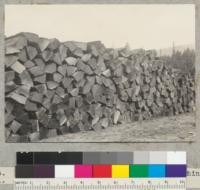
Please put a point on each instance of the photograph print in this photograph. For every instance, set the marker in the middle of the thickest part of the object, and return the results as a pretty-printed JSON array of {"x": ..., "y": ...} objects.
[{"x": 99, "y": 73}]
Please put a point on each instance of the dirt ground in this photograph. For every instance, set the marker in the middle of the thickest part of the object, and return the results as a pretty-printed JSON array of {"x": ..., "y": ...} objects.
[{"x": 167, "y": 129}]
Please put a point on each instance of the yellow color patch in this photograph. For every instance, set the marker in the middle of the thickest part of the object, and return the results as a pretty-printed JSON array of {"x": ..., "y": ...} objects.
[{"x": 120, "y": 171}]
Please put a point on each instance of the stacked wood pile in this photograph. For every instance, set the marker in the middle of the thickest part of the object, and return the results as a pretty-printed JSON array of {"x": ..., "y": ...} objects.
[{"x": 52, "y": 88}]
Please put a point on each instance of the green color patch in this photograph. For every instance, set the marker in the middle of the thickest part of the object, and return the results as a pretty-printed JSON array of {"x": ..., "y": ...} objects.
[{"x": 138, "y": 170}]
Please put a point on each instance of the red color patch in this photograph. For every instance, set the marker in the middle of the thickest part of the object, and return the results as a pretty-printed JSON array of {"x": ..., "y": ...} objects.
[{"x": 102, "y": 171}]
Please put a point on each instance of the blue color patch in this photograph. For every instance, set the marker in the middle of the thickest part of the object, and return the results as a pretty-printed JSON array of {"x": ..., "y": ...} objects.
[{"x": 157, "y": 170}]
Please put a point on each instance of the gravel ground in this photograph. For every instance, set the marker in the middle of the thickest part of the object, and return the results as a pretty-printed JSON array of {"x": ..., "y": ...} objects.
[{"x": 167, "y": 129}]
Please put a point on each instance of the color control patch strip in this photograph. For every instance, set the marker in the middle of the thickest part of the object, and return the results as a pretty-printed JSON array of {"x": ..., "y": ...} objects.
[
  {"x": 155, "y": 164},
  {"x": 100, "y": 171}
]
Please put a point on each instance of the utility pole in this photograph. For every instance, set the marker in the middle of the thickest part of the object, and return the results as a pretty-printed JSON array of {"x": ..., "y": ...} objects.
[{"x": 173, "y": 48}]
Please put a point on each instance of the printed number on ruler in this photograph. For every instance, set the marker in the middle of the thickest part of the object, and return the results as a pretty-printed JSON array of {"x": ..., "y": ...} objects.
[{"x": 101, "y": 184}]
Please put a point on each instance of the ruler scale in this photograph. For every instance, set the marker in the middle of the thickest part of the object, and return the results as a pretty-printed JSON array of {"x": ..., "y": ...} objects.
[{"x": 100, "y": 184}]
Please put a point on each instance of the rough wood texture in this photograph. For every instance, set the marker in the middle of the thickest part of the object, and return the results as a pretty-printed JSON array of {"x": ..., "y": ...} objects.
[{"x": 57, "y": 87}]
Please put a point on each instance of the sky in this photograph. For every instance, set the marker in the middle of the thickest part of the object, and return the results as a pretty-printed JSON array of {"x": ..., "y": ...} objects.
[{"x": 141, "y": 26}]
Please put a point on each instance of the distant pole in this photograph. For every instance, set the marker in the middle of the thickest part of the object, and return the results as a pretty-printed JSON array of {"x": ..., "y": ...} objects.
[{"x": 173, "y": 48}]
